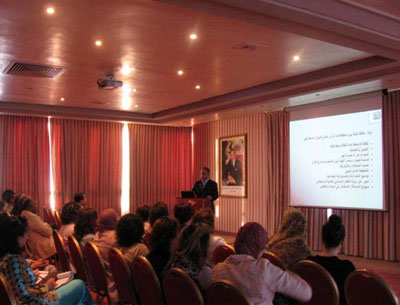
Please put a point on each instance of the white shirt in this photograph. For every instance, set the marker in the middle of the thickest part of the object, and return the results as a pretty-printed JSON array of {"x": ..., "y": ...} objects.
[{"x": 259, "y": 279}]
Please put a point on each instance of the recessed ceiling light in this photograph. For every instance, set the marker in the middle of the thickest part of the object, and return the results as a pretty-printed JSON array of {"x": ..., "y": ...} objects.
[
  {"x": 136, "y": 106},
  {"x": 50, "y": 10},
  {"x": 133, "y": 90},
  {"x": 198, "y": 87},
  {"x": 180, "y": 72},
  {"x": 193, "y": 36},
  {"x": 62, "y": 99},
  {"x": 126, "y": 70},
  {"x": 296, "y": 58},
  {"x": 98, "y": 43}
]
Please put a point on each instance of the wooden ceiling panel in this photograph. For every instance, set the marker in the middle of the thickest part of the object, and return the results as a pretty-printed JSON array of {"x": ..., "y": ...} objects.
[{"x": 153, "y": 38}]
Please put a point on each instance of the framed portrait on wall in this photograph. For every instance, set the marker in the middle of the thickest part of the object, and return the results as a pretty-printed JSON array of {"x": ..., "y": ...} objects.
[{"x": 233, "y": 166}]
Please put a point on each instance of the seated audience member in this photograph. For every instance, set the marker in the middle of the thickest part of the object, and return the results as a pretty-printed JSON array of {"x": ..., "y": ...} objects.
[
  {"x": 189, "y": 253},
  {"x": 144, "y": 212},
  {"x": 105, "y": 239},
  {"x": 13, "y": 236},
  {"x": 18, "y": 203},
  {"x": 85, "y": 226},
  {"x": 256, "y": 276},
  {"x": 207, "y": 216},
  {"x": 333, "y": 233},
  {"x": 40, "y": 243},
  {"x": 129, "y": 234},
  {"x": 158, "y": 210},
  {"x": 8, "y": 200},
  {"x": 69, "y": 212},
  {"x": 183, "y": 212},
  {"x": 161, "y": 237},
  {"x": 80, "y": 198},
  {"x": 290, "y": 243}
]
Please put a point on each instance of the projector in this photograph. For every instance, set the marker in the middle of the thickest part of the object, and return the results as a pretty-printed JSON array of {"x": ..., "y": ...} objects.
[{"x": 109, "y": 84}]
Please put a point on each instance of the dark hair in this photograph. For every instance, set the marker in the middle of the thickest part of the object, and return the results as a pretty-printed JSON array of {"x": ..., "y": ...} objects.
[
  {"x": 204, "y": 215},
  {"x": 78, "y": 197},
  {"x": 206, "y": 169},
  {"x": 7, "y": 195},
  {"x": 26, "y": 204},
  {"x": 18, "y": 204},
  {"x": 10, "y": 229},
  {"x": 162, "y": 234},
  {"x": 130, "y": 230},
  {"x": 158, "y": 210},
  {"x": 183, "y": 212},
  {"x": 85, "y": 223},
  {"x": 192, "y": 243},
  {"x": 69, "y": 212},
  {"x": 144, "y": 212},
  {"x": 333, "y": 232}
]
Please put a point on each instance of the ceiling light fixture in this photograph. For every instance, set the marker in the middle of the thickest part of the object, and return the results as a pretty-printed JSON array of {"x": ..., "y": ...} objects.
[
  {"x": 50, "y": 10},
  {"x": 136, "y": 106},
  {"x": 193, "y": 36},
  {"x": 62, "y": 99},
  {"x": 296, "y": 58},
  {"x": 180, "y": 72},
  {"x": 133, "y": 90},
  {"x": 198, "y": 87},
  {"x": 98, "y": 43}
]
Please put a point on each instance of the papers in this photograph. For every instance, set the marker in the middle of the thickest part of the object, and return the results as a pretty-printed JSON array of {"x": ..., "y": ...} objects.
[{"x": 62, "y": 278}]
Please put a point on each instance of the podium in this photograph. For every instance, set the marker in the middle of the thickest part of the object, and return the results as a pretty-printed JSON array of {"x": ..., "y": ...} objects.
[{"x": 197, "y": 203}]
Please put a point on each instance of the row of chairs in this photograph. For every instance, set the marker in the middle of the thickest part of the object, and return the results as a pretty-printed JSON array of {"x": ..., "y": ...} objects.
[
  {"x": 361, "y": 287},
  {"x": 52, "y": 217}
]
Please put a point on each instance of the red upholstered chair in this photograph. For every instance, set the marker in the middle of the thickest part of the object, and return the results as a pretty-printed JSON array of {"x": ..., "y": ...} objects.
[
  {"x": 222, "y": 252},
  {"x": 367, "y": 288},
  {"x": 47, "y": 216},
  {"x": 60, "y": 247},
  {"x": 57, "y": 218},
  {"x": 122, "y": 275},
  {"x": 274, "y": 259},
  {"x": 324, "y": 288},
  {"x": 97, "y": 271},
  {"x": 226, "y": 292},
  {"x": 180, "y": 289},
  {"x": 7, "y": 296},
  {"x": 76, "y": 255},
  {"x": 146, "y": 282}
]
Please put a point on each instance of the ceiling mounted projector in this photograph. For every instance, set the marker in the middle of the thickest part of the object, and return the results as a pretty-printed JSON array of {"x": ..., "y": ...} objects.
[{"x": 110, "y": 83}]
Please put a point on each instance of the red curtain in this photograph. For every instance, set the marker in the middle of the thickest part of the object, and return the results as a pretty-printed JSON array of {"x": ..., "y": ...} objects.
[
  {"x": 160, "y": 163},
  {"x": 87, "y": 157},
  {"x": 24, "y": 157}
]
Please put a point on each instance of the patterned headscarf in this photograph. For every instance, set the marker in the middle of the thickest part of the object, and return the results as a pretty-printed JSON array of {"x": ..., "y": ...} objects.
[
  {"x": 251, "y": 239},
  {"x": 107, "y": 220}
]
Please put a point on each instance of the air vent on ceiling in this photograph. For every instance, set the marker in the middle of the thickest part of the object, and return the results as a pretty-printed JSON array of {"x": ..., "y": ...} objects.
[{"x": 24, "y": 69}]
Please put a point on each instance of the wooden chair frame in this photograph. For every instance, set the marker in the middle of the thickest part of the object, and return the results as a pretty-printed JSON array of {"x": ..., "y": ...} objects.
[
  {"x": 274, "y": 259},
  {"x": 60, "y": 248},
  {"x": 80, "y": 266},
  {"x": 12, "y": 300},
  {"x": 225, "y": 284}
]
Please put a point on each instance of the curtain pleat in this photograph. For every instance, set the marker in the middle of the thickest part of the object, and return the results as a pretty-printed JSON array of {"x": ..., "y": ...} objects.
[
  {"x": 87, "y": 157},
  {"x": 161, "y": 163},
  {"x": 24, "y": 157}
]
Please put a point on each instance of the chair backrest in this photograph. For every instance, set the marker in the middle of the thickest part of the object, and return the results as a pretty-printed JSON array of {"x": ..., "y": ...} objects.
[
  {"x": 47, "y": 216},
  {"x": 60, "y": 248},
  {"x": 121, "y": 272},
  {"x": 96, "y": 268},
  {"x": 76, "y": 255},
  {"x": 226, "y": 292},
  {"x": 57, "y": 218},
  {"x": 146, "y": 282},
  {"x": 7, "y": 296},
  {"x": 324, "y": 288},
  {"x": 274, "y": 259},
  {"x": 180, "y": 289},
  {"x": 367, "y": 288},
  {"x": 222, "y": 252}
]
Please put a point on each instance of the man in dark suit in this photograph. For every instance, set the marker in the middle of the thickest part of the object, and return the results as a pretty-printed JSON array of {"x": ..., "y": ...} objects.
[{"x": 206, "y": 188}]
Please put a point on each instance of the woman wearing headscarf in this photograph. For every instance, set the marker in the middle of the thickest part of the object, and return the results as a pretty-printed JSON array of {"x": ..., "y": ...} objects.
[
  {"x": 256, "y": 276},
  {"x": 105, "y": 239},
  {"x": 290, "y": 242}
]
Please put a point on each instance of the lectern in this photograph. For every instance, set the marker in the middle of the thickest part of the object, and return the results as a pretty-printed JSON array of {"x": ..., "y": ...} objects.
[{"x": 197, "y": 203}]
